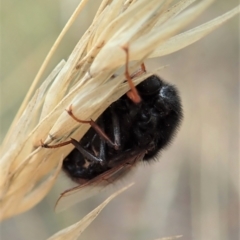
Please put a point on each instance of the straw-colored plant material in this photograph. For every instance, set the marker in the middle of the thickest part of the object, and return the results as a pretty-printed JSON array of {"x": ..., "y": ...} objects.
[
  {"x": 148, "y": 29},
  {"x": 75, "y": 230}
]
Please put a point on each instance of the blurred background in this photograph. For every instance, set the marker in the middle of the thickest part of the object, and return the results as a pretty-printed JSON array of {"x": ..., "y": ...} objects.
[{"x": 194, "y": 188}]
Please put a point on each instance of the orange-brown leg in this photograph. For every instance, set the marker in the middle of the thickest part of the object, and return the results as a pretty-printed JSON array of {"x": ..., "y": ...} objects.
[
  {"x": 95, "y": 126},
  {"x": 139, "y": 72},
  {"x": 56, "y": 145},
  {"x": 143, "y": 67},
  {"x": 133, "y": 93}
]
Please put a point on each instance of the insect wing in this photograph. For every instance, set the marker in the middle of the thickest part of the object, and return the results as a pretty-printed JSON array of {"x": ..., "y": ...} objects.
[{"x": 94, "y": 186}]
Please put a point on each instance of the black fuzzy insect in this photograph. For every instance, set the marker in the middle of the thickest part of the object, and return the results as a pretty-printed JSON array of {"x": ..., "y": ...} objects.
[
  {"x": 135, "y": 131},
  {"x": 135, "y": 128}
]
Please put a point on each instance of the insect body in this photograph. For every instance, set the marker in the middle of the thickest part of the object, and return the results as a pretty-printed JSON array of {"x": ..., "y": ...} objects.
[
  {"x": 134, "y": 128},
  {"x": 136, "y": 131}
]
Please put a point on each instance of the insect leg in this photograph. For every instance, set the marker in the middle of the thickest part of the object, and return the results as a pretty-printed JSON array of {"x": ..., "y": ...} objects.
[
  {"x": 86, "y": 153},
  {"x": 140, "y": 71},
  {"x": 143, "y": 67},
  {"x": 77, "y": 145},
  {"x": 56, "y": 145},
  {"x": 102, "y": 150},
  {"x": 133, "y": 93},
  {"x": 95, "y": 126},
  {"x": 116, "y": 127},
  {"x": 102, "y": 143}
]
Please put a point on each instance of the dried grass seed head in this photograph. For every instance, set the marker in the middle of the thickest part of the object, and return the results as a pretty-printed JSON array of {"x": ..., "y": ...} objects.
[{"x": 148, "y": 29}]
